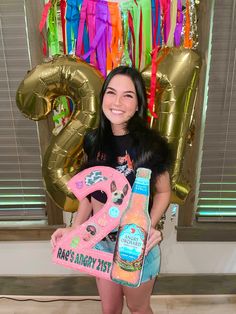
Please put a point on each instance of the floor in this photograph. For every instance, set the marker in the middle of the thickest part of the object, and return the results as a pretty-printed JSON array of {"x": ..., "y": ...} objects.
[{"x": 187, "y": 304}]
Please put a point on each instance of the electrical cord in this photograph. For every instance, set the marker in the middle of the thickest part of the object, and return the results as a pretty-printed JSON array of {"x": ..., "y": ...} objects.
[{"x": 47, "y": 301}]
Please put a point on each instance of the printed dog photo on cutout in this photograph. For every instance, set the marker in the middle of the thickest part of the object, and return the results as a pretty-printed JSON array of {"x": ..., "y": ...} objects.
[{"x": 118, "y": 195}]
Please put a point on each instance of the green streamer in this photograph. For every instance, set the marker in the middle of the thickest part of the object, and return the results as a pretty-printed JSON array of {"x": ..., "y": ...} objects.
[
  {"x": 125, "y": 60},
  {"x": 53, "y": 42},
  {"x": 145, "y": 6},
  {"x": 135, "y": 11}
]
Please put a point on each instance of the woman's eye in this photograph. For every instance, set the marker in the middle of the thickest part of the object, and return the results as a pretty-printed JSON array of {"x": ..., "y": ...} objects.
[
  {"x": 109, "y": 92},
  {"x": 129, "y": 95}
]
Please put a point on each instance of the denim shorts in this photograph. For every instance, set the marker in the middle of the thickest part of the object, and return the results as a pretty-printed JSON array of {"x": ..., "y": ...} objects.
[{"x": 151, "y": 266}]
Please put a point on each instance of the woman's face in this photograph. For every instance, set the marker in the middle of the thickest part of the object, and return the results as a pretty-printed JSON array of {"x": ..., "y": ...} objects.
[{"x": 120, "y": 102}]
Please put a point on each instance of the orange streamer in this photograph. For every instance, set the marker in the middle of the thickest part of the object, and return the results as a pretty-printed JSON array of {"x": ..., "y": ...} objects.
[
  {"x": 188, "y": 43},
  {"x": 115, "y": 51}
]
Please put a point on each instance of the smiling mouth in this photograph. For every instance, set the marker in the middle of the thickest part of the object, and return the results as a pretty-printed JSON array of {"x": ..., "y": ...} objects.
[{"x": 115, "y": 111}]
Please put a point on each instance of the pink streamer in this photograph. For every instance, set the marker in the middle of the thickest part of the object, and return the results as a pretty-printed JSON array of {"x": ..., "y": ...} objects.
[
  {"x": 166, "y": 5},
  {"x": 83, "y": 13}
]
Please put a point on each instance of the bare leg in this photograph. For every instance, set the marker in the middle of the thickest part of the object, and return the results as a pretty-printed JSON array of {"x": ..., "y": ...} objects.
[
  {"x": 138, "y": 299},
  {"x": 111, "y": 295}
]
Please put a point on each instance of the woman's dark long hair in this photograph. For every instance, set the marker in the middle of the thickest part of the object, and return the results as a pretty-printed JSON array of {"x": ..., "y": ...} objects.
[{"x": 152, "y": 151}]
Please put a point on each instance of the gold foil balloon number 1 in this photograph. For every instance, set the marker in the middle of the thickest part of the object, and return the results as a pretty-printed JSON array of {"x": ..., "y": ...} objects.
[
  {"x": 177, "y": 77},
  {"x": 36, "y": 98}
]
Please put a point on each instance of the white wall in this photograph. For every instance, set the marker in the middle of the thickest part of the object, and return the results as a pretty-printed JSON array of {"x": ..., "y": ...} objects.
[
  {"x": 34, "y": 258},
  {"x": 195, "y": 257}
]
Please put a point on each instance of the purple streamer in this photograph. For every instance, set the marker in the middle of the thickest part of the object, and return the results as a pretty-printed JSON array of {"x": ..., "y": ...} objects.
[{"x": 179, "y": 24}]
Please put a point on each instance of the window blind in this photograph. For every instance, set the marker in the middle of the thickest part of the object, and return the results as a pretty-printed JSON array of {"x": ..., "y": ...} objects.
[
  {"x": 22, "y": 195},
  {"x": 217, "y": 186}
]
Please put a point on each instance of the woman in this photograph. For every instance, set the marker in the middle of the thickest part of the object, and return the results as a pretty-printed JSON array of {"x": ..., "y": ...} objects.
[{"x": 124, "y": 141}]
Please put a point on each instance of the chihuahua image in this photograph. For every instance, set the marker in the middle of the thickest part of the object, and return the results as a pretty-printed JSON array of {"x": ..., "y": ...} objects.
[{"x": 118, "y": 195}]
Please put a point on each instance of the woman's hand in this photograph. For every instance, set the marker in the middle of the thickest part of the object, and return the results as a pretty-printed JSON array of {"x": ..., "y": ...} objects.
[
  {"x": 58, "y": 235},
  {"x": 155, "y": 237},
  {"x": 84, "y": 212}
]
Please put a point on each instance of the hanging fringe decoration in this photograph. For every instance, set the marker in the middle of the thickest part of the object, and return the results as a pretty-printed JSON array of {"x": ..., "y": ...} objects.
[{"x": 107, "y": 34}]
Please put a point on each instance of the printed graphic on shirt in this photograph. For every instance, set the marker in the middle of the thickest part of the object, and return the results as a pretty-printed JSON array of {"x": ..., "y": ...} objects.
[{"x": 125, "y": 164}]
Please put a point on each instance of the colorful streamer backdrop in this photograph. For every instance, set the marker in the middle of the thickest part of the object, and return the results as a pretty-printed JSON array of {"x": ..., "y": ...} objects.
[{"x": 107, "y": 34}]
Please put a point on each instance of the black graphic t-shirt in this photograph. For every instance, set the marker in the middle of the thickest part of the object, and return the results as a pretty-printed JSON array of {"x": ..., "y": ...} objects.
[{"x": 125, "y": 156}]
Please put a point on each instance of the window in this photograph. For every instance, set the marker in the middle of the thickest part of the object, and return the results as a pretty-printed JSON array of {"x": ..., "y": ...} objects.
[
  {"x": 217, "y": 182},
  {"x": 209, "y": 165},
  {"x": 22, "y": 195}
]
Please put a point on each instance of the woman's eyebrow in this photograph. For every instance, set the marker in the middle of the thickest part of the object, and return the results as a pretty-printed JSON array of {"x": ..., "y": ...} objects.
[
  {"x": 129, "y": 91},
  {"x": 126, "y": 91}
]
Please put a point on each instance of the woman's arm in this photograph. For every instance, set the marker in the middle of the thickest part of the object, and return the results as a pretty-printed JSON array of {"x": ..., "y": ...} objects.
[
  {"x": 83, "y": 213},
  {"x": 161, "y": 202},
  {"x": 161, "y": 198}
]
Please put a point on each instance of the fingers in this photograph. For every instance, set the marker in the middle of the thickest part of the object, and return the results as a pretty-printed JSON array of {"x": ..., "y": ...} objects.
[
  {"x": 155, "y": 237},
  {"x": 53, "y": 244},
  {"x": 56, "y": 236},
  {"x": 53, "y": 239}
]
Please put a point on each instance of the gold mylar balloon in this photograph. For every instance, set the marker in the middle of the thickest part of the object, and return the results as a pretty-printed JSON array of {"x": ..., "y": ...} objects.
[
  {"x": 177, "y": 76},
  {"x": 63, "y": 76}
]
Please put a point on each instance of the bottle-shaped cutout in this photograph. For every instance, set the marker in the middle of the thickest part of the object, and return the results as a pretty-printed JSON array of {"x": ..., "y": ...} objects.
[{"x": 133, "y": 233}]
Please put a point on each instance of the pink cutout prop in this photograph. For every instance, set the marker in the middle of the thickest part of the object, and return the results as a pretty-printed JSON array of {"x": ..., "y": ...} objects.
[{"x": 75, "y": 250}]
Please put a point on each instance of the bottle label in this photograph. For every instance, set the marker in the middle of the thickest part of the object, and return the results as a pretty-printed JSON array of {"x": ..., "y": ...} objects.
[
  {"x": 141, "y": 186},
  {"x": 130, "y": 247}
]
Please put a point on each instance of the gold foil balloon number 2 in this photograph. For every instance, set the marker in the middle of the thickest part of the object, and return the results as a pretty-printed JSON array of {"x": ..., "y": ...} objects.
[{"x": 36, "y": 98}]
